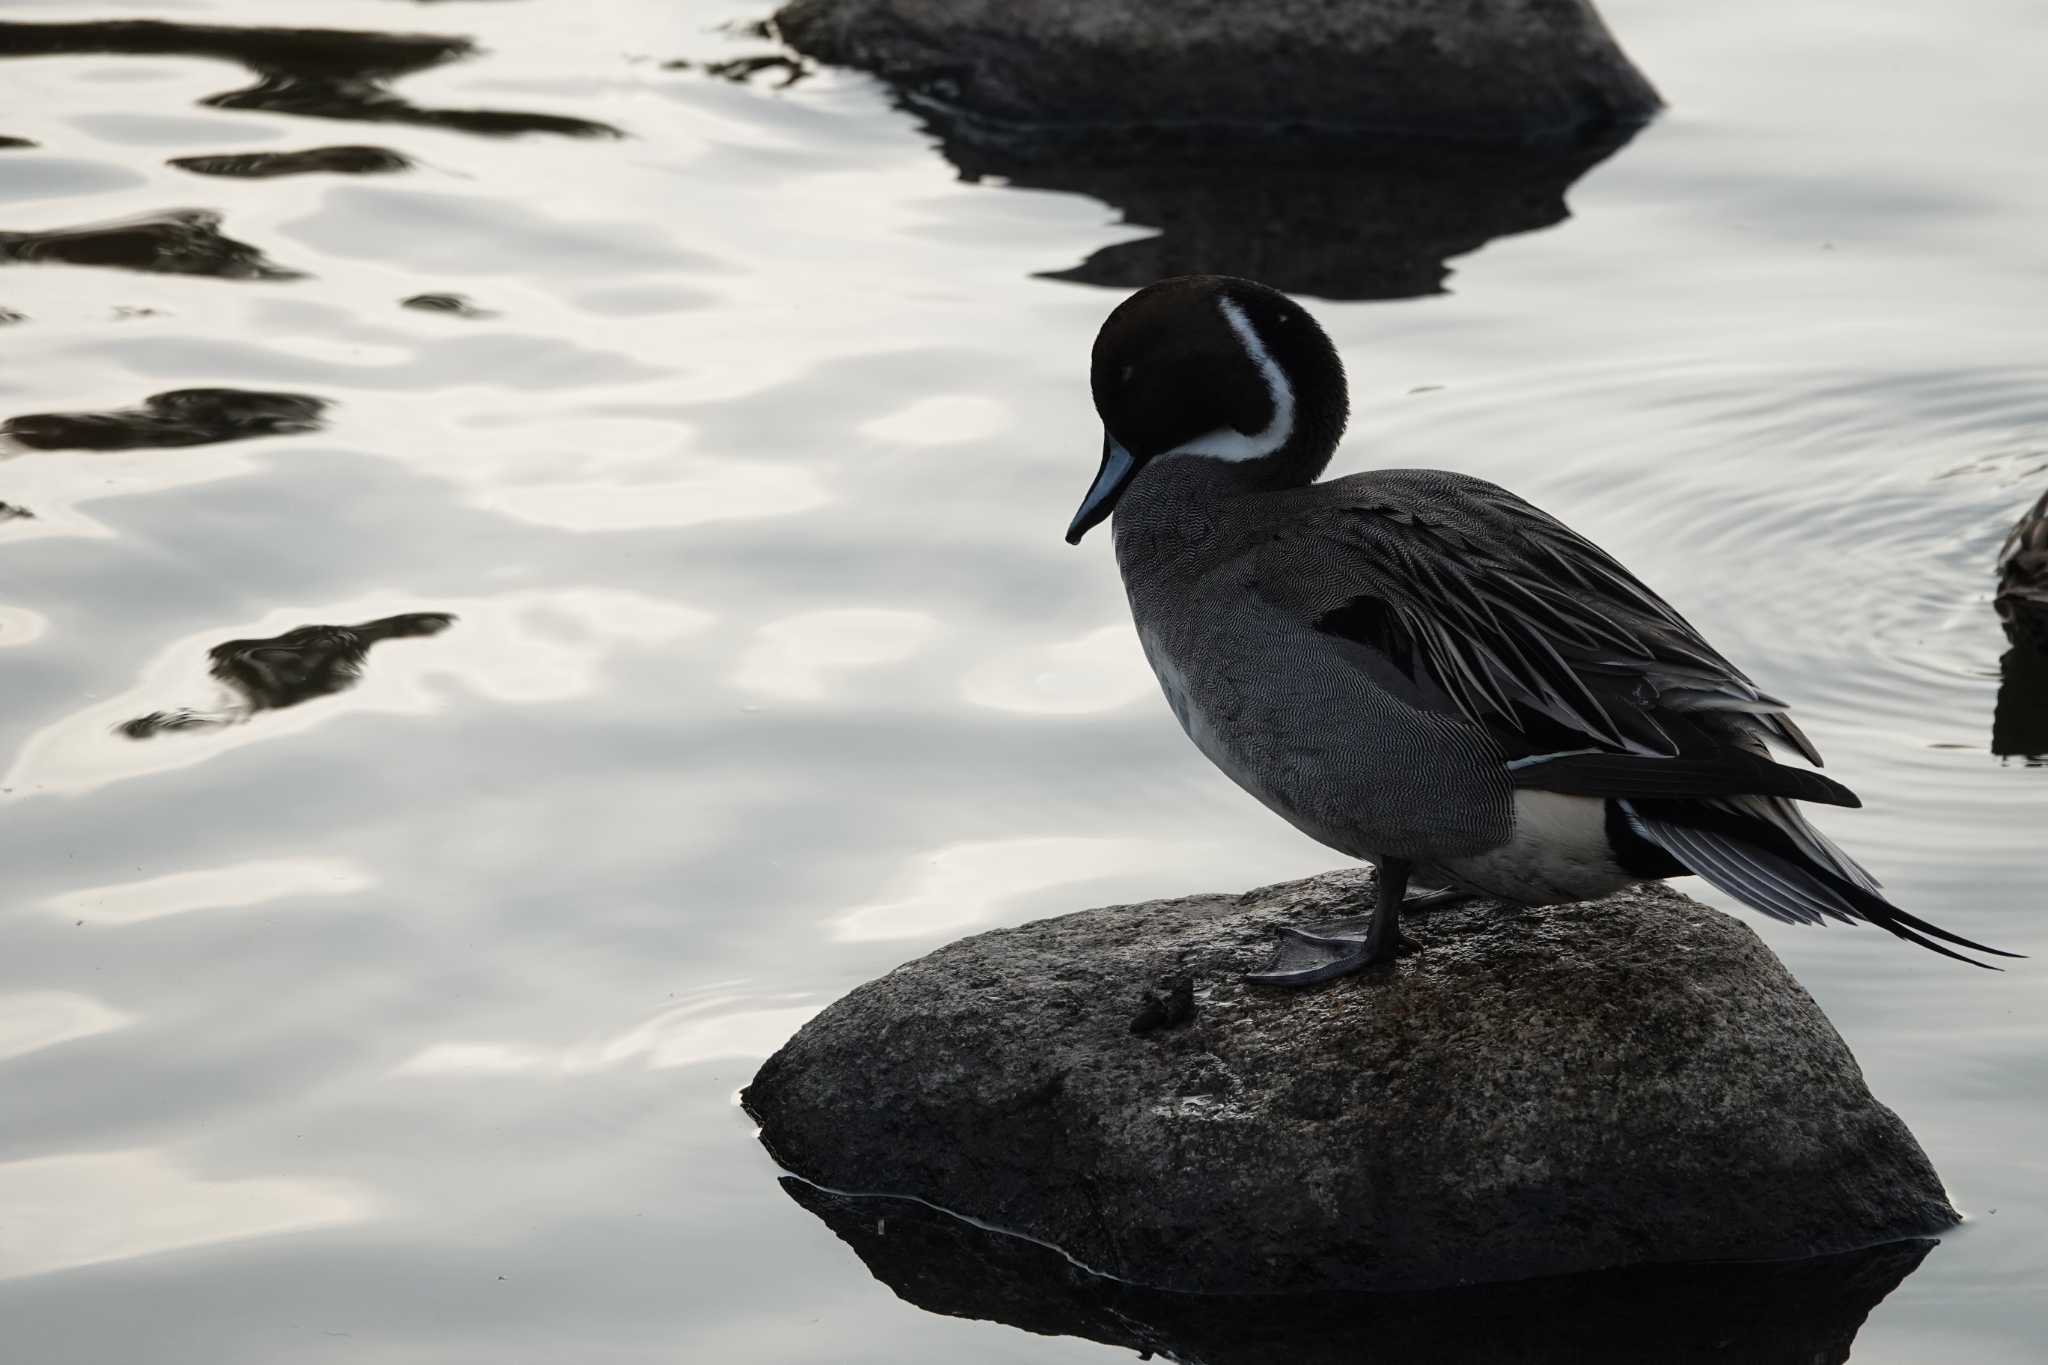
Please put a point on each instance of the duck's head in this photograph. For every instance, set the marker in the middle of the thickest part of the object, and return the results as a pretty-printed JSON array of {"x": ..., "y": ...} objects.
[{"x": 1216, "y": 368}]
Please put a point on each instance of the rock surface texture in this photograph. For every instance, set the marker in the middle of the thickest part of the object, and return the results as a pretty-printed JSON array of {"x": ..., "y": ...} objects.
[
  {"x": 1494, "y": 70},
  {"x": 1536, "y": 1092}
]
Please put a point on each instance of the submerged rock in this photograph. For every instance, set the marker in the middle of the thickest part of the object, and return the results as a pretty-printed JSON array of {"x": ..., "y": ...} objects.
[
  {"x": 1770, "y": 1313},
  {"x": 1536, "y": 1092},
  {"x": 1508, "y": 70}
]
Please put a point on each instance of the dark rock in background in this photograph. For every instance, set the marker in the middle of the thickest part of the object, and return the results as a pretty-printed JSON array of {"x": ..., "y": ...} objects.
[
  {"x": 1498, "y": 71},
  {"x": 181, "y": 417},
  {"x": 1772, "y": 1313},
  {"x": 1537, "y": 1092}
]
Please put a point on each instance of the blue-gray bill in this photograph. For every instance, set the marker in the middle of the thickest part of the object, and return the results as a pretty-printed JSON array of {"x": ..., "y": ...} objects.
[{"x": 1117, "y": 467}]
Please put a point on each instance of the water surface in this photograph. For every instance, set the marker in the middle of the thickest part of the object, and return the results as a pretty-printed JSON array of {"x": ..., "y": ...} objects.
[{"x": 402, "y": 1022}]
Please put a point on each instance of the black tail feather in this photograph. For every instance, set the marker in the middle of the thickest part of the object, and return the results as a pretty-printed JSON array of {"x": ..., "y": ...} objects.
[{"x": 1762, "y": 867}]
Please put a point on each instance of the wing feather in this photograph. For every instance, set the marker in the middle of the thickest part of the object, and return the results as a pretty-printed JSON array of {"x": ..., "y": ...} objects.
[{"x": 1526, "y": 626}]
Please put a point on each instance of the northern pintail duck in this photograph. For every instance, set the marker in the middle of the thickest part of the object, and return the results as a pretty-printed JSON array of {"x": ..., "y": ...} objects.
[
  {"x": 2022, "y": 599},
  {"x": 1418, "y": 668}
]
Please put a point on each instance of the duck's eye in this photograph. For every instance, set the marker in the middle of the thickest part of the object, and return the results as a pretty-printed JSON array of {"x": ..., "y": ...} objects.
[{"x": 1125, "y": 377}]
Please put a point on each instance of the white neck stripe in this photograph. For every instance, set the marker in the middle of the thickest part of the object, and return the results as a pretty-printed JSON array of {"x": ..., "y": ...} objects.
[{"x": 1228, "y": 443}]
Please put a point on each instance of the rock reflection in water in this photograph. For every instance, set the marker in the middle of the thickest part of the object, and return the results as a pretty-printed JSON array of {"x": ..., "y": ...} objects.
[
  {"x": 181, "y": 417},
  {"x": 1789, "y": 1313},
  {"x": 350, "y": 160},
  {"x": 1340, "y": 221},
  {"x": 176, "y": 242},
  {"x": 284, "y": 670},
  {"x": 321, "y": 73}
]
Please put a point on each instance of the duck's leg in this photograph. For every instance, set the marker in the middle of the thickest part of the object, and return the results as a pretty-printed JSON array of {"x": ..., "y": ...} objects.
[{"x": 1308, "y": 956}]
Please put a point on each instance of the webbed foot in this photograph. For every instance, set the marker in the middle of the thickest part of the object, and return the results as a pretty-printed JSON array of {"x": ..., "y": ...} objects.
[{"x": 1308, "y": 957}]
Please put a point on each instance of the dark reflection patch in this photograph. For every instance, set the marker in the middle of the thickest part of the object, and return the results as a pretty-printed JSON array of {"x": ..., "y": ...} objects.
[
  {"x": 320, "y": 73},
  {"x": 350, "y": 160},
  {"x": 786, "y": 68},
  {"x": 11, "y": 142},
  {"x": 181, "y": 417},
  {"x": 282, "y": 671},
  {"x": 458, "y": 304},
  {"x": 11, "y": 512},
  {"x": 1782, "y": 1313},
  {"x": 1333, "y": 219},
  {"x": 176, "y": 242}
]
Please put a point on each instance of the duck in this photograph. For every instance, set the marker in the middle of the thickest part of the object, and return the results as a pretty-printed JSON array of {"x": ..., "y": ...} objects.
[
  {"x": 1421, "y": 670},
  {"x": 2022, "y": 597}
]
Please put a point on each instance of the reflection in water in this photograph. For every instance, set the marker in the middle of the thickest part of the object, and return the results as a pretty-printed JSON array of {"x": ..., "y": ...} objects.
[
  {"x": 1793, "y": 1313},
  {"x": 802, "y": 657},
  {"x": 173, "y": 242},
  {"x": 967, "y": 883},
  {"x": 321, "y": 73},
  {"x": 8, "y": 315},
  {"x": 10, "y": 142},
  {"x": 233, "y": 887},
  {"x": 284, "y": 670},
  {"x": 33, "y": 1020},
  {"x": 9, "y": 512},
  {"x": 2019, "y": 724},
  {"x": 717, "y": 1024},
  {"x": 182, "y": 417},
  {"x": 742, "y": 70},
  {"x": 87, "y": 1207},
  {"x": 1338, "y": 222},
  {"x": 350, "y": 160}
]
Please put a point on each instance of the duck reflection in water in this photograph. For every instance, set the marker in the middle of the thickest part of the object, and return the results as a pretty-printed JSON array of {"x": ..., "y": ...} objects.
[
  {"x": 1778, "y": 1313},
  {"x": 2019, "y": 724},
  {"x": 284, "y": 670}
]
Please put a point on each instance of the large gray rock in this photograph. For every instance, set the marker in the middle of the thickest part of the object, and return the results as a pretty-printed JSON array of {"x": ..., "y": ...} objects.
[
  {"x": 1495, "y": 70},
  {"x": 1536, "y": 1092}
]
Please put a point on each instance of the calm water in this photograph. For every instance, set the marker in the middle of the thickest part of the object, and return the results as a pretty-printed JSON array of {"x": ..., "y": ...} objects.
[{"x": 403, "y": 1024}]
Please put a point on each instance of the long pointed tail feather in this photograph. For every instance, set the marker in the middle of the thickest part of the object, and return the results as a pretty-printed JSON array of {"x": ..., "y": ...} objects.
[{"x": 1773, "y": 861}]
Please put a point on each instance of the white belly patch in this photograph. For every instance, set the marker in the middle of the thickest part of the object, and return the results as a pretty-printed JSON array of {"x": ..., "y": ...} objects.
[{"x": 1558, "y": 852}]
